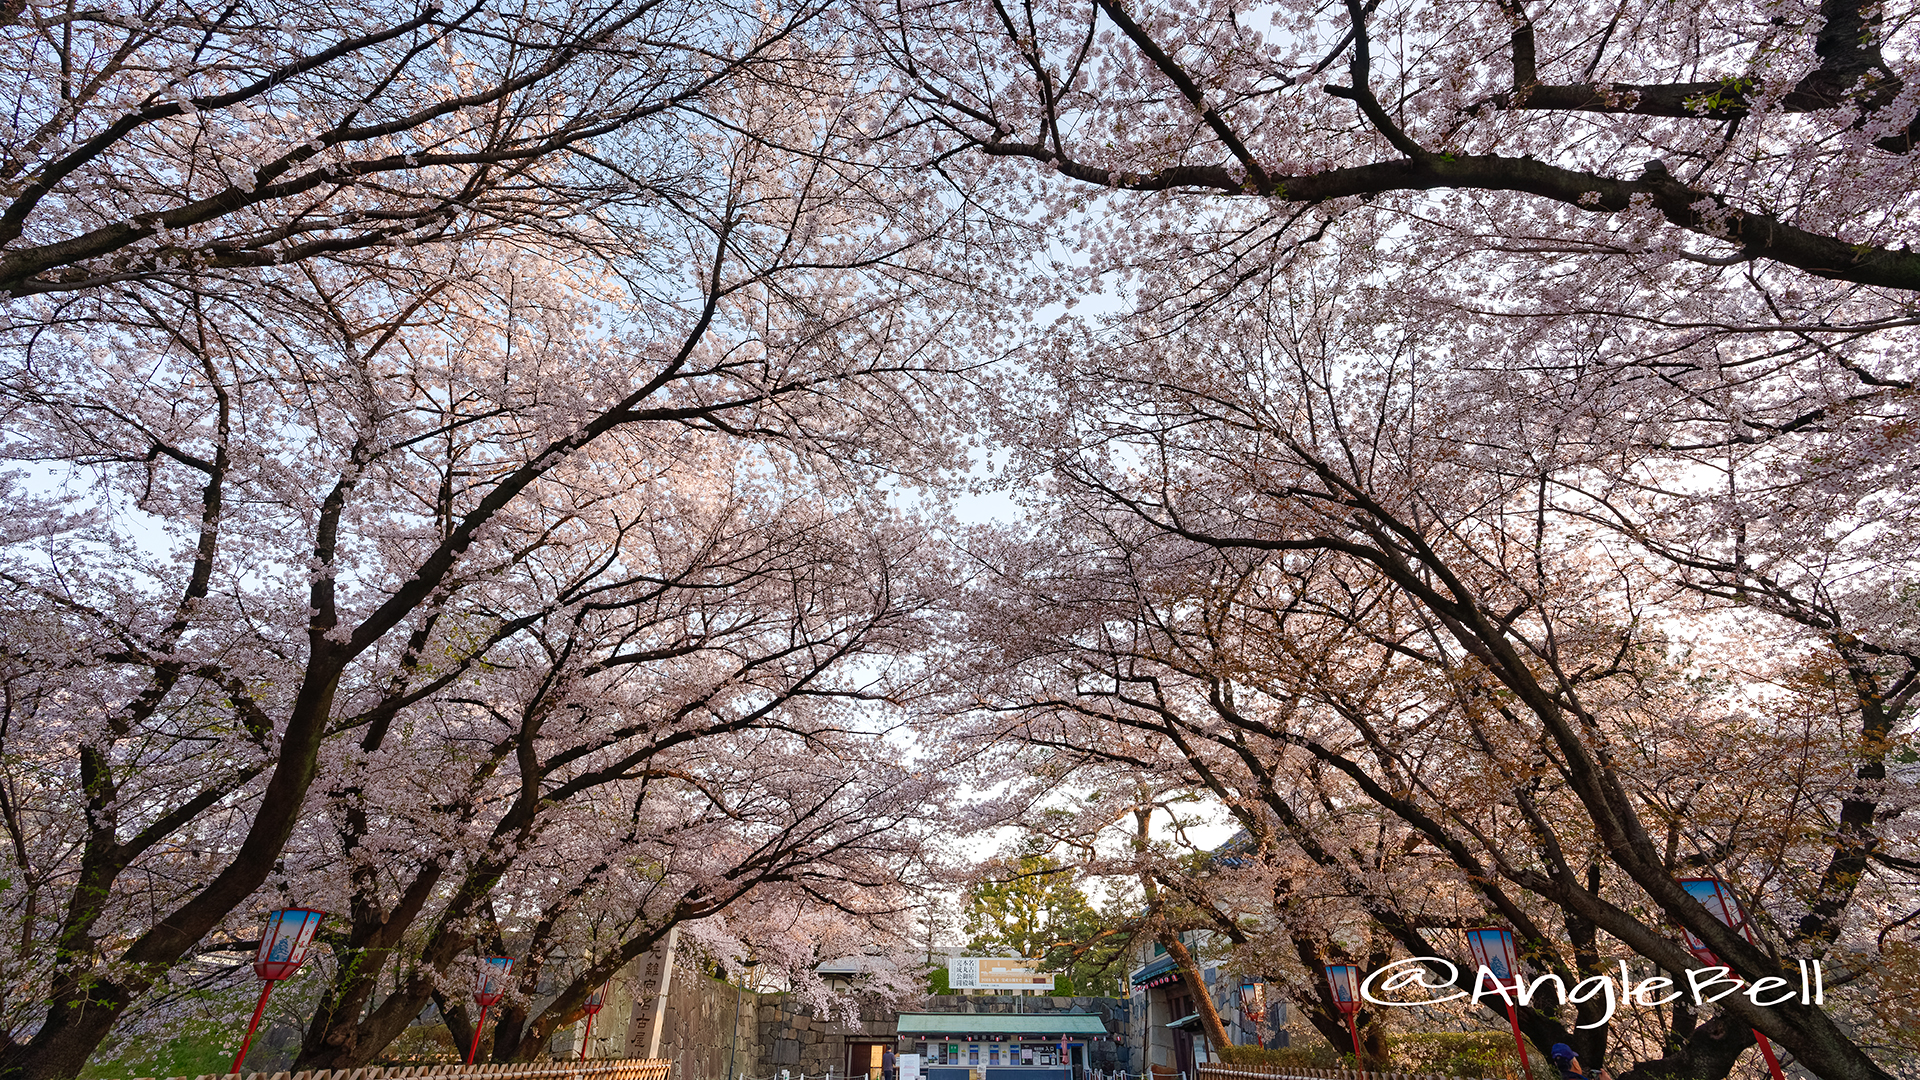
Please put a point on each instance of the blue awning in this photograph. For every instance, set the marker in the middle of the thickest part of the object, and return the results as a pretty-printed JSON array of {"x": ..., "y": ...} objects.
[{"x": 1159, "y": 970}]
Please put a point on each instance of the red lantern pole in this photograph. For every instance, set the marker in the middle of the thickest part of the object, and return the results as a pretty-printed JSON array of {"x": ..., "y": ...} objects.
[
  {"x": 1342, "y": 979},
  {"x": 1766, "y": 1051},
  {"x": 474, "y": 1048},
  {"x": 1519, "y": 1041},
  {"x": 490, "y": 987},
  {"x": 1723, "y": 905},
  {"x": 283, "y": 948},
  {"x": 595, "y": 1001},
  {"x": 251, "y": 1025},
  {"x": 1492, "y": 948}
]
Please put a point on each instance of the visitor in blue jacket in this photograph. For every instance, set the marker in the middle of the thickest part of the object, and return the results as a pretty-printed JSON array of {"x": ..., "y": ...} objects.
[{"x": 1568, "y": 1063}]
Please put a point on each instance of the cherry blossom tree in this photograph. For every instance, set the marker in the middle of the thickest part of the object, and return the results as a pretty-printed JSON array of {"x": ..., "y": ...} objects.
[
  {"x": 656, "y": 752},
  {"x": 789, "y": 844},
  {"x": 273, "y": 502},
  {"x": 1505, "y": 366},
  {"x": 1292, "y": 560},
  {"x": 1750, "y": 132},
  {"x": 149, "y": 141}
]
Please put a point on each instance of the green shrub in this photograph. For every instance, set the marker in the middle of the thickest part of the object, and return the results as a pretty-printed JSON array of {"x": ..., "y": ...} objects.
[
  {"x": 1293, "y": 1057},
  {"x": 1461, "y": 1053}
]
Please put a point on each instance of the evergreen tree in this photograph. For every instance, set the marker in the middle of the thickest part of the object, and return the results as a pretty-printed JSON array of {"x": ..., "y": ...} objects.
[{"x": 1031, "y": 906}]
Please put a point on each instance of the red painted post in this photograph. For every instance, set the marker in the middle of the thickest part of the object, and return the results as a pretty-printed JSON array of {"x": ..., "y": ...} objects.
[
  {"x": 595, "y": 1001},
  {"x": 1766, "y": 1051},
  {"x": 251, "y": 1025},
  {"x": 1526, "y": 1067},
  {"x": 474, "y": 1048}
]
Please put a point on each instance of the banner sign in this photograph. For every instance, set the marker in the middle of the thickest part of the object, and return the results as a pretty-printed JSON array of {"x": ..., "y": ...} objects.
[{"x": 996, "y": 973}]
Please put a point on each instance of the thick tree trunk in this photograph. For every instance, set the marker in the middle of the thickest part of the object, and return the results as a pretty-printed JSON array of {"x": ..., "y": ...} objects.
[
  {"x": 369, "y": 946},
  {"x": 1710, "y": 1050},
  {"x": 1197, "y": 983},
  {"x": 77, "y": 1021}
]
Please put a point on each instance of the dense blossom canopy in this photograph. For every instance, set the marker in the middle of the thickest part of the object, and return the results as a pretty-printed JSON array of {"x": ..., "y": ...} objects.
[{"x": 484, "y": 470}]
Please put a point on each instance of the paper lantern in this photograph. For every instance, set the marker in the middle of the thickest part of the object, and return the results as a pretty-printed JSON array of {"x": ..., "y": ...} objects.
[
  {"x": 1492, "y": 948},
  {"x": 285, "y": 943},
  {"x": 490, "y": 982},
  {"x": 490, "y": 985},
  {"x": 1344, "y": 981},
  {"x": 595, "y": 1002},
  {"x": 1722, "y": 905}
]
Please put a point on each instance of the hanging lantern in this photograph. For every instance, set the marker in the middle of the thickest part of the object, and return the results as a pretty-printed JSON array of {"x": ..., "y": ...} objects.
[
  {"x": 284, "y": 943},
  {"x": 490, "y": 985},
  {"x": 1492, "y": 948},
  {"x": 1344, "y": 981},
  {"x": 1718, "y": 899},
  {"x": 595, "y": 1002},
  {"x": 1493, "y": 951},
  {"x": 1722, "y": 905},
  {"x": 284, "y": 946}
]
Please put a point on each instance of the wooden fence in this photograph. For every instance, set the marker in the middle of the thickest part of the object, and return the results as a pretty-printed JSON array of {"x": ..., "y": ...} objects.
[
  {"x": 1276, "y": 1072},
  {"x": 638, "y": 1069}
]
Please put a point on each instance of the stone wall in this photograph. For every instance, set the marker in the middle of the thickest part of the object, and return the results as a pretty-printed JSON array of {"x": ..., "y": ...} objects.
[
  {"x": 702, "y": 1021},
  {"x": 792, "y": 1035},
  {"x": 710, "y": 1030}
]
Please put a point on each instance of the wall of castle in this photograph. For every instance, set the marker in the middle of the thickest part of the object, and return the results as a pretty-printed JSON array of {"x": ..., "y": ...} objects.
[{"x": 712, "y": 1030}]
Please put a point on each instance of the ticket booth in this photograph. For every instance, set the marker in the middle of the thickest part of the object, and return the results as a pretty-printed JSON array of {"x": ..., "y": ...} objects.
[{"x": 999, "y": 1046}]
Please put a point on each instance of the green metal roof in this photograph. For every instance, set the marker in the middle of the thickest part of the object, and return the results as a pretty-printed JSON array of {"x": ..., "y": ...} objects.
[
  {"x": 1000, "y": 1024},
  {"x": 1153, "y": 969}
]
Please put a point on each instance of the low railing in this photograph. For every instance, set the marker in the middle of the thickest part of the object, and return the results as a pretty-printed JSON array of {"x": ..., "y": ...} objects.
[
  {"x": 639, "y": 1069},
  {"x": 1281, "y": 1072}
]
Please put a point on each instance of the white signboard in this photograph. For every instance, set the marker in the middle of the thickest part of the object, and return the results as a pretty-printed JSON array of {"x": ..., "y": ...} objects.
[
  {"x": 996, "y": 973},
  {"x": 909, "y": 1066}
]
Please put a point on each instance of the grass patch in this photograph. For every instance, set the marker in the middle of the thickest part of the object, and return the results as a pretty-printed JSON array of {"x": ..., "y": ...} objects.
[{"x": 199, "y": 1050}]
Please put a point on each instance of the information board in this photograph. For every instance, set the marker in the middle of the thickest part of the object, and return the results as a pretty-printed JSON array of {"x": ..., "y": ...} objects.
[{"x": 996, "y": 973}]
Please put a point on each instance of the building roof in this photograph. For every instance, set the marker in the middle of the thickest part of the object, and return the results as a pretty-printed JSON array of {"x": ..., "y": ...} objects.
[
  {"x": 1237, "y": 851},
  {"x": 1001, "y": 1024},
  {"x": 1156, "y": 971}
]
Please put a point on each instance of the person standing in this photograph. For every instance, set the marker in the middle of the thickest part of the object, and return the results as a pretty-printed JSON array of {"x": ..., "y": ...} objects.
[
  {"x": 1568, "y": 1063},
  {"x": 886, "y": 1064}
]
